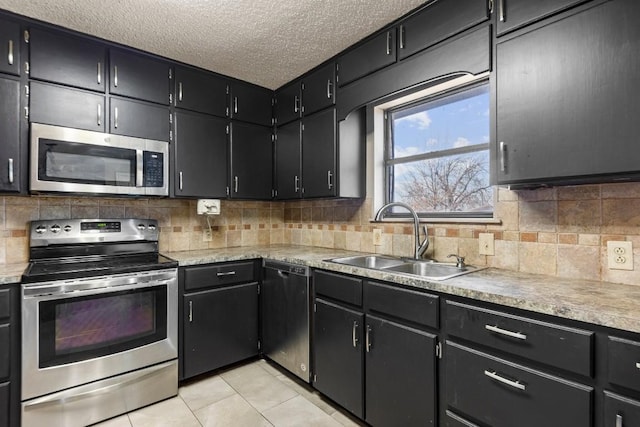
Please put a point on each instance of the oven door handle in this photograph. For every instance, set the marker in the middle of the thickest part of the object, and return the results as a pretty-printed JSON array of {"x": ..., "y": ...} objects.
[{"x": 64, "y": 398}]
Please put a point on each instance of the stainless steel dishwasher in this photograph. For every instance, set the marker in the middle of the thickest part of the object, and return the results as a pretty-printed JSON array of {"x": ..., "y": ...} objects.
[{"x": 285, "y": 315}]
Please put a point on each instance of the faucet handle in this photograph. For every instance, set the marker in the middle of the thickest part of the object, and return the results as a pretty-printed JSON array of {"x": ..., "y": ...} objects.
[{"x": 459, "y": 260}]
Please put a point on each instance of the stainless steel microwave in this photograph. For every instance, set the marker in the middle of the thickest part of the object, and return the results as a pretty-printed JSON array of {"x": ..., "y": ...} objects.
[{"x": 80, "y": 161}]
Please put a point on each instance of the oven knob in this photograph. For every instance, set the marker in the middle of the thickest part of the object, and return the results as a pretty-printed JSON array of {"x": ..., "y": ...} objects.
[
  {"x": 152, "y": 227},
  {"x": 141, "y": 227},
  {"x": 55, "y": 228},
  {"x": 67, "y": 228},
  {"x": 41, "y": 229}
]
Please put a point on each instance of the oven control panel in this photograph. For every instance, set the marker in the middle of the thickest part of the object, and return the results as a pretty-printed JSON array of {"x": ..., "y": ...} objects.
[{"x": 64, "y": 231}]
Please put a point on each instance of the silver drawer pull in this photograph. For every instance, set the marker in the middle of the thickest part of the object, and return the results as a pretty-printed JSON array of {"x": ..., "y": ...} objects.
[
  {"x": 501, "y": 331},
  {"x": 638, "y": 365},
  {"x": 368, "y": 338},
  {"x": 494, "y": 376},
  {"x": 10, "y": 171},
  {"x": 619, "y": 420},
  {"x": 354, "y": 337},
  {"x": 190, "y": 311},
  {"x": 115, "y": 76},
  {"x": 10, "y": 53},
  {"x": 227, "y": 273}
]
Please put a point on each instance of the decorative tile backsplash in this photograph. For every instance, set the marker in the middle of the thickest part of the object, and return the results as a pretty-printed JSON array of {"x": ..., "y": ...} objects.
[{"x": 559, "y": 231}]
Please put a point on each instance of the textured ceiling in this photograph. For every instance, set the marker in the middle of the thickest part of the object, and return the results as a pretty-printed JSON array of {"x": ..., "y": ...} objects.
[{"x": 267, "y": 42}]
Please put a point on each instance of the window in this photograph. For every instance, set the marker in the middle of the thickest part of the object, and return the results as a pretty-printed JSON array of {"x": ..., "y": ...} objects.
[{"x": 437, "y": 154}]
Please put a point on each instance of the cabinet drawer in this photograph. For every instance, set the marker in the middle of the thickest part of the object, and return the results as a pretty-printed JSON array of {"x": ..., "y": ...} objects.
[
  {"x": 624, "y": 363},
  {"x": 5, "y": 351},
  {"x": 213, "y": 275},
  {"x": 404, "y": 304},
  {"x": 565, "y": 348},
  {"x": 500, "y": 393},
  {"x": 620, "y": 411},
  {"x": 338, "y": 287},
  {"x": 452, "y": 419},
  {"x": 5, "y": 303}
]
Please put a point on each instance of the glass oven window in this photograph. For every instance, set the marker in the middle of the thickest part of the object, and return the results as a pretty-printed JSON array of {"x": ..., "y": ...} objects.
[{"x": 74, "y": 329}]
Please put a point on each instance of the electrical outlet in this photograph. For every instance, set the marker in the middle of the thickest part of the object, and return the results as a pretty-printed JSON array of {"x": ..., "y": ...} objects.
[
  {"x": 620, "y": 255},
  {"x": 206, "y": 235},
  {"x": 377, "y": 237},
  {"x": 486, "y": 243}
]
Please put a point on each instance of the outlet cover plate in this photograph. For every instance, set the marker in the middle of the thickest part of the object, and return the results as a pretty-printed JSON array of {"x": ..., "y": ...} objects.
[
  {"x": 377, "y": 237},
  {"x": 620, "y": 255},
  {"x": 486, "y": 244}
]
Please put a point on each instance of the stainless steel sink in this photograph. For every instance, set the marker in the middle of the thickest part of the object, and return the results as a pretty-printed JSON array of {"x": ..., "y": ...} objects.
[{"x": 377, "y": 262}]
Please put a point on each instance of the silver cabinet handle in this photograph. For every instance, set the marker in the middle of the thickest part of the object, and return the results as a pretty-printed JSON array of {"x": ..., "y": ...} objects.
[
  {"x": 501, "y": 331},
  {"x": 115, "y": 117},
  {"x": 180, "y": 180},
  {"x": 618, "y": 420},
  {"x": 296, "y": 104},
  {"x": 515, "y": 384},
  {"x": 503, "y": 152},
  {"x": 401, "y": 36},
  {"x": 190, "y": 311},
  {"x": 501, "y": 12},
  {"x": 296, "y": 183},
  {"x": 354, "y": 337},
  {"x": 329, "y": 89},
  {"x": 10, "y": 171},
  {"x": 388, "y": 42},
  {"x": 99, "y": 73},
  {"x": 99, "y": 115},
  {"x": 367, "y": 338},
  {"x": 10, "y": 54},
  {"x": 180, "y": 91},
  {"x": 638, "y": 365},
  {"x": 235, "y": 105},
  {"x": 329, "y": 180},
  {"x": 115, "y": 75},
  {"x": 226, "y": 273},
  {"x": 235, "y": 184}
]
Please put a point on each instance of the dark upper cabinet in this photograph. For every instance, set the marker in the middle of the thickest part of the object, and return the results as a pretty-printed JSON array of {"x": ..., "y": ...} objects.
[
  {"x": 67, "y": 107},
  {"x": 566, "y": 98},
  {"x": 201, "y": 91},
  {"x": 251, "y": 161},
  {"x": 372, "y": 55},
  {"x": 288, "y": 105},
  {"x": 318, "y": 89},
  {"x": 139, "y": 119},
  {"x": 10, "y": 159},
  {"x": 512, "y": 14},
  {"x": 438, "y": 21},
  {"x": 66, "y": 59},
  {"x": 9, "y": 47},
  {"x": 288, "y": 151},
  {"x": 137, "y": 76},
  {"x": 251, "y": 103},
  {"x": 319, "y": 154},
  {"x": 200, "y": 166}
]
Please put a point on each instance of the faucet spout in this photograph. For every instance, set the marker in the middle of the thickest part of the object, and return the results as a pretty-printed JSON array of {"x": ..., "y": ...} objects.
[{"x": 420, "y": 247}]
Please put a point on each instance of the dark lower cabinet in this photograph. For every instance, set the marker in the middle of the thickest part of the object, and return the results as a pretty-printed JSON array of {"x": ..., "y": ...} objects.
[
  {"x": 251, "y": 161},
  {"x": 220, "y": 327},
  {"x": 339, "y": 360},
  {"x": 9, "y": 356},
  {"x": 4, "y": 404},
  {"x": 67, "y": 107},
  {"x": 10, "y": 158},
  {"x": 620, "y": 411},
  {"x": 400, "y": 383}
]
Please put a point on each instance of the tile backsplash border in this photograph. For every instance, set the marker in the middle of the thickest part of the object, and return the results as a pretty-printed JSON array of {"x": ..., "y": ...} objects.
[{"x": 559, "y": 231}]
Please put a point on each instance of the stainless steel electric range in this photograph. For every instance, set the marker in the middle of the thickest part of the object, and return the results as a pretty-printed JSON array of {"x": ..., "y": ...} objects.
[{"x": 99, "y": 321}]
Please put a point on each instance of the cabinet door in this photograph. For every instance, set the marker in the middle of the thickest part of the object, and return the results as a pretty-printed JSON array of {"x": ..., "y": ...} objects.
[
  {"x": 138, "y": 76},
  {"x": 140, "y": 119},
  {"x": 368, "y": 57},
  {"x": 200, "y": 168},
  {"x": 288, "y": 161},
  {"x": 251, "y": 161},
  {"x": 5, "y": 407},
  {"x": 70, "y": 60},
  {"x": 565, "y": 98},
  {"x": 620, "y": 411},
  {"x": 10, "y": 164},
  {"x": 5, "y": 351},
  {"x": 319, "y": 89},
  {"x": 61, "y": 106},
  {"x": 400, "y": 374},
  {"x": 251, "y": 103},
  {"x": 624, "y": 363},
  {"x": 319, "y": 154},
  {"x": 220, "y": 327},
  {"x": 200, "y": 91},
  {"x": 338, "y": 334},
  {"x": 437, "y": 22},
  {"x": 513, "y": 14},
  {"x": 9, "y": 47},
  {"x": 288, "y": 103}
]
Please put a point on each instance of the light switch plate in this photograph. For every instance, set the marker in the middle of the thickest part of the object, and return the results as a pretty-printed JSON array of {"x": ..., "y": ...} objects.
[
  {"x": 486, "y": 244},
  {"x": 620, "y": 255}
]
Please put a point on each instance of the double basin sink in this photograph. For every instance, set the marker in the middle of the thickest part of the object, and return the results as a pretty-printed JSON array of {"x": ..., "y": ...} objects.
[{"x": 426, "y": 269}]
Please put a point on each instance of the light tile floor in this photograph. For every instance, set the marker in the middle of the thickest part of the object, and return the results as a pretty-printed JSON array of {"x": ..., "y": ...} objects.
[{"x": 257, "y": 393}]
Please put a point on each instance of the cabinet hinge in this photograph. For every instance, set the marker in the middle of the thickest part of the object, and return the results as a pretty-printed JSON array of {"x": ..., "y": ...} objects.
[
  {"x": 171, "y": 135},
  {"x": 258, "y": 289},
  {"x": 490, "y": 6},
  {"x": 227, "y": 89},
  {"x": 226, "y": 111},
  {"x": 302, "y": 85},
  {"x": 227, "y": 129},
  {"x": 170, "y": 74},
  {"x": 26, "y": 67},
  {"x": 227, "y": 191},
  {"x": 274, "y": 137},
  {"x": 302, "y": 109},
  {"x": 273, "y": 101},
  {"x": 315, "y": 308},
  {"x": 26, "y": 113},
  {"x": 273, "y": 121},
  {"x": 303, "y": 126},
  {"x": 170, "y": 98},
  {"x": 315, "y": 378},
  {"x": 439, "y": 350},
  {"x": 170, "y": 118},
  {"x": 26, "y": 36},
  {"x": 259, "y": 345},
  {"x": 26, "y": 90}
]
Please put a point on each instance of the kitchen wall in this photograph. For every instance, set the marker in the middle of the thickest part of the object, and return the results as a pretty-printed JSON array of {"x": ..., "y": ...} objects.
[{"x": 559, "y": 231}]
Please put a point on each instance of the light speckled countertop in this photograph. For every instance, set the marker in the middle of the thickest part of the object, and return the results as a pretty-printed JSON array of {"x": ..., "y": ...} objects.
[
  {"x": 607, "y": 304},
  {"x": 12, "y": 273}
]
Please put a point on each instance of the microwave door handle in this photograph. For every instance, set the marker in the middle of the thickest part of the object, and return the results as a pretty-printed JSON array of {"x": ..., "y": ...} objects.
[{"x": 139, "y": 168}]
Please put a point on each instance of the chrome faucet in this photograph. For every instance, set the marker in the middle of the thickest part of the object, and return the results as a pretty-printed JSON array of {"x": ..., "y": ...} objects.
[{"x": 420, "y": 247}]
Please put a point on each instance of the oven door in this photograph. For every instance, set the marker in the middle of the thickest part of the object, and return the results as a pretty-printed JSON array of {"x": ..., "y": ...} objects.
[{"x": 76, "y": 332}]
